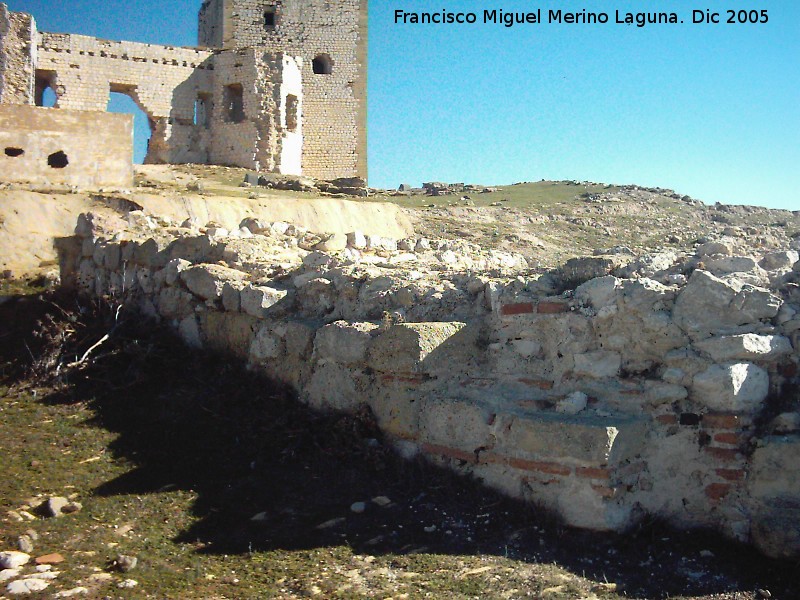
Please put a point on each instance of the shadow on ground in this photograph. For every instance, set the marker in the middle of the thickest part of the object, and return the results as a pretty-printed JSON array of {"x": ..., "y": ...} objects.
[{"x": 246, "y": 447}]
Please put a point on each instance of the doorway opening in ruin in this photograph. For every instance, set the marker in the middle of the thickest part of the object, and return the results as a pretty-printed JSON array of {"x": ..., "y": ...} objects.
[
  {"x": 202, "y": 110},
  {"x": 44, "y": 88},
  {"x": 125, "y": 99},
  {"x": 233, "y": 97}
]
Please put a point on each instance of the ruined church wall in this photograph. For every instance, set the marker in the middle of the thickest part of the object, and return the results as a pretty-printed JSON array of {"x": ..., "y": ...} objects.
[
  {"x": 17, "y": 56},
  {"x": 97, "y": 147}
]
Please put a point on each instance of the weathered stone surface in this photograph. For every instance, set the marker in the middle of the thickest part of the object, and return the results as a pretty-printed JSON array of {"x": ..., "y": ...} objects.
[
  {"x": 579, "y": 270},
  {"x": 30, "y": 585},
  {"x": 586, "y": 438},
  {"x": 403, "y": 347},
  {"x": 343, "y": 342},
  {"x": 598, "y": 292},
  {"x": 333, "y": 243},
  {"x": 173, "y": 270},
  {"x": 255, "y": 300},
  {"x": 708, "y": 304},
  {"x": 720, "y": 247},
  {"x": 730, "y": 264},
  {"x": 783, "y": 260},
  {"x": 598, "y": 364},
  {"x": 747, "y": 346},
  {"x": 737, "y": 387},
  {"x": 776, "y": 529},
  {"x": 456, "y": 424},
  {"x": 207, "y": 281}
]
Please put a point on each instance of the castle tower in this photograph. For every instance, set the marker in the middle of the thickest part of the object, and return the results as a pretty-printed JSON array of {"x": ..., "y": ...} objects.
[{"x": 331, "y": 38}]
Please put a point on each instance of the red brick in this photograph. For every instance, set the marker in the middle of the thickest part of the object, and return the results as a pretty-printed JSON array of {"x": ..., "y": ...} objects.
[
  {"x": 667, "y": 419},
  {"x": 731, "y": 474},
  {"x": 551, "y": 308},
  {"x": 717, "y": 491},
  {"x": 449, "y": 452},
  {"x": 728, "y": 437},
  {"x": 724, "y": 454},
  {"x": 542, "y": 384},
  {"x": 535, "y": 465},
  {"x": 788, "y": 370},
  {"x": 604, "y": 491},
  {"x": 592, "y": 472},
  {"x": 722, "y": 421},
  {"x": 520, "y": 308}
]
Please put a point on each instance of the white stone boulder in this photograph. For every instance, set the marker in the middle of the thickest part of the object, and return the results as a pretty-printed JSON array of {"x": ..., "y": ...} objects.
[
  {"x": 343, "y": 342},
  {"x": 256, "y": 299},
  {"x": 735, "y": 387},
  {"x": 207, "y": 280},
  {"x": 598, "y": 292},
  {"x": 775, "y": 261},
  {"x": 748, "y": 347}
]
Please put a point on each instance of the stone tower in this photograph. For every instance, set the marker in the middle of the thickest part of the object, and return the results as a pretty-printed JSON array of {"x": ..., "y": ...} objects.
[{"x": 331, "y": 38}]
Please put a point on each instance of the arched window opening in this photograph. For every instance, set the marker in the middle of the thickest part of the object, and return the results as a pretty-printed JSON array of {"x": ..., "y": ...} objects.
[
  {"x": 322, "y": 64},
  {"x": 124, "y": 99},
  {"x": 233, "y": 97},
  {"x": 44, "y": 94}
]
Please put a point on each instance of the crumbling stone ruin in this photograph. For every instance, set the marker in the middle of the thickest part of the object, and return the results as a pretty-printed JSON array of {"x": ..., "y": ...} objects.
[
  {"x": 275, "y": 85},
  {"x": 612, "y": 388}
]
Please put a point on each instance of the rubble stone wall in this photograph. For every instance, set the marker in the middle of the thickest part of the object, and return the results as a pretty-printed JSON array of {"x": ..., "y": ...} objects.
[
  {"x": 668, "y": 389},
  {"x": 83, "y": 149},
  {"x": 17, "y": 56}
]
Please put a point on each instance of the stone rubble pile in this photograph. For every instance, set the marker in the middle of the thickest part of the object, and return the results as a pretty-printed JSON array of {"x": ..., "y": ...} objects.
[{"x": 613, "y": 387}]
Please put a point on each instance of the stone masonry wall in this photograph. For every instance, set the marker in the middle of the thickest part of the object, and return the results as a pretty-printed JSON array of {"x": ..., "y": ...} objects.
[
  {"x": 335, "y": 109},
  {"x": 163, "y": 81},
  {"x": 668, "y": 388},
  {"x": 17, "y": 57},
  {"x": 76, "y": 148}
]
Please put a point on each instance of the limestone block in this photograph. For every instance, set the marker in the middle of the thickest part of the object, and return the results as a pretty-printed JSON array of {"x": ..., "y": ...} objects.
[
  {"x": 572, "y": 404},
  {"x": 598, "y": 364},
  {"x": 404, "y": 347},
  {"x": 580, "y": 270},
  {"x": 774, "y": 484},
  {"x": 747, "y": 347},
  {"x": 396, "y": 406},
  {"x": 256, "y": 300},
  {"x": 735, "y": 387},
  {"x": 207, "y": 281},
  {"x": 334, "y": 387},
  {"x": 708, "y": 304},
  {"x": 174, "y": 303},
  {"x": 173, "y": 270},
  {"x": 151, "y": 253},
  {"x": 585, "y": 438},
  {"x": 779, "y": 261},
  {"x": 717, "y": 248},
  {"x": 356, "y": 239},
  {"x": 334, "y": 242},
  {"x": 228, "y": 333},
  {"x": 189, "y": 331},
  {"x": 343, "y": 342},
  {"x": 299, "y": 338},
  {"x": 265, "y": 345},
  {"x": 722, "y": 265},
  {"x": 598, "y": 292},
  {"x": 456, "y": 424}
]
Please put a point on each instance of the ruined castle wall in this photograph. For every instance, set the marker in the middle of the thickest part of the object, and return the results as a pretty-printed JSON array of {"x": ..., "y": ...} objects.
[
  {"x": 17, "y": 57},
  {"x": 335, "y": 107},
  {"x": 164, "y": 82},
  {"x": 45, "y": 146},
  {"x": 623, "y": 398},
  {"x": 248, "y": 118}
]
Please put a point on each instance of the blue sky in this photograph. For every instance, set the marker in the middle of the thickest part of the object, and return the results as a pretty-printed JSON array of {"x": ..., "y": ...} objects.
[{"x": 708, "y": 110}]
